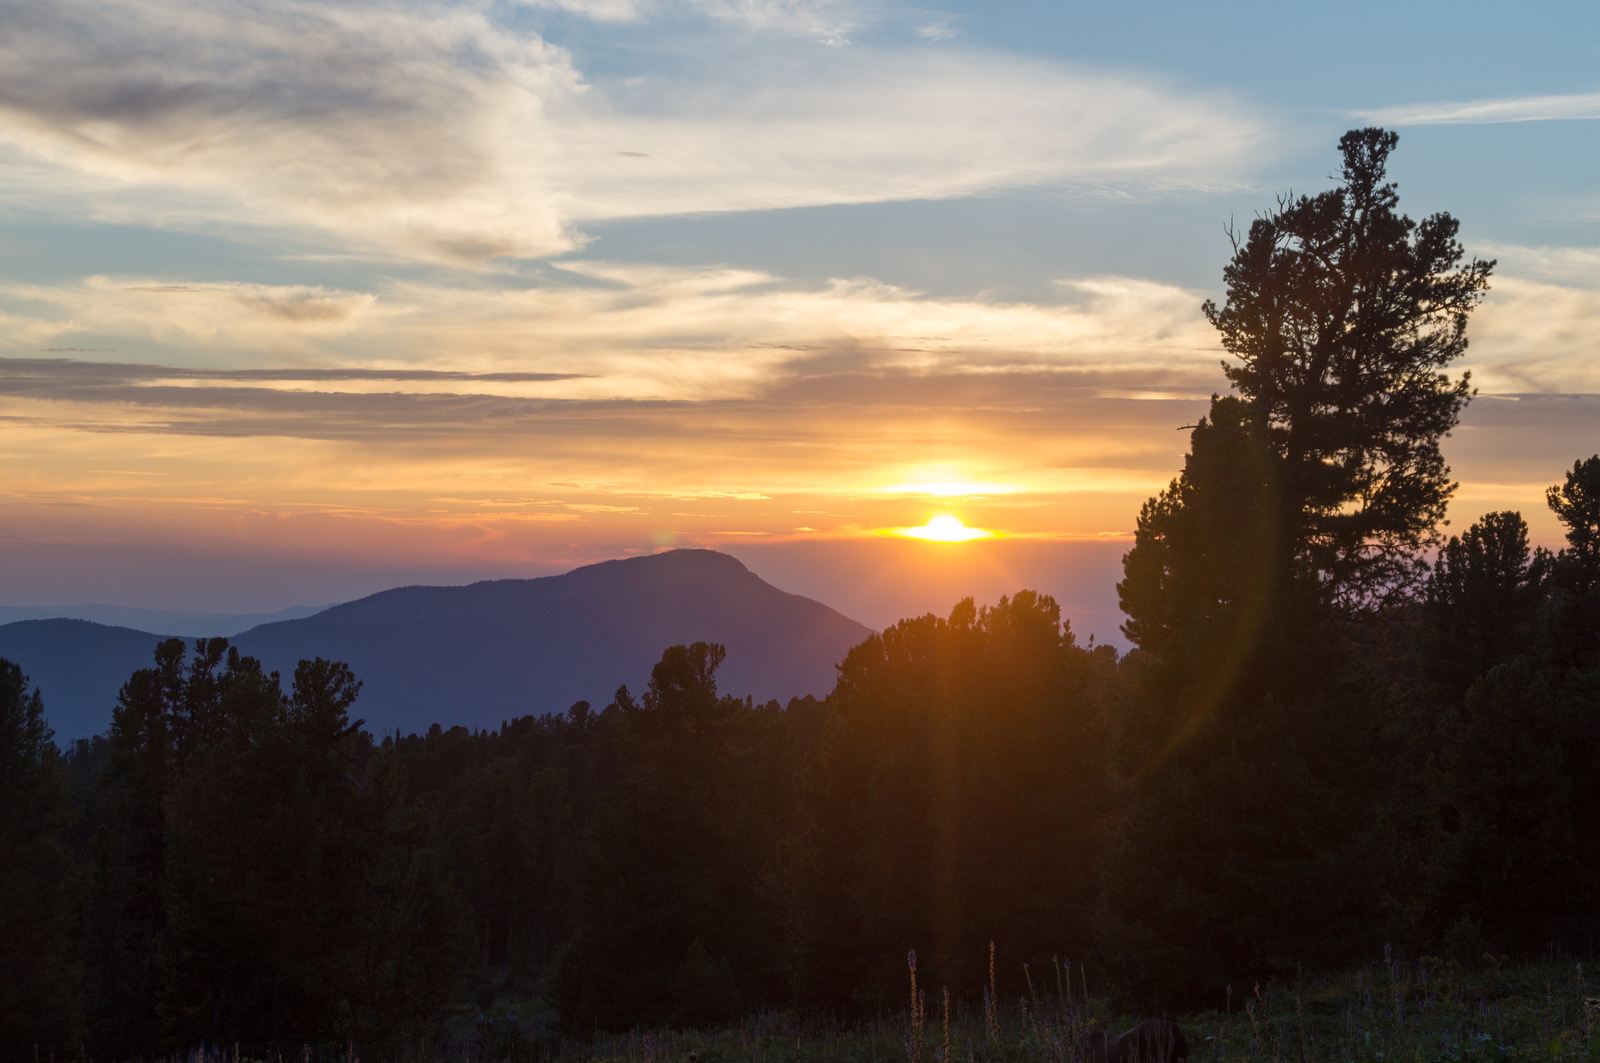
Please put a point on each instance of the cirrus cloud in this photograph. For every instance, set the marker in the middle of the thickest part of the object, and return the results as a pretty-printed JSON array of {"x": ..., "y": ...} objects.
[
  {"x": 1487, "y": 112},
  {"x": 439, "y": 132}
]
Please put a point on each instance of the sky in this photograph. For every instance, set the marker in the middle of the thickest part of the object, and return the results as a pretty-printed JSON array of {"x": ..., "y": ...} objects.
[{"x": 303, "y": 300}]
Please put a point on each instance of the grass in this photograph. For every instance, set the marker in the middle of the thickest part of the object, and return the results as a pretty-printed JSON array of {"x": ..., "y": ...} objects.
[{"x": 1425, "y": 1011}]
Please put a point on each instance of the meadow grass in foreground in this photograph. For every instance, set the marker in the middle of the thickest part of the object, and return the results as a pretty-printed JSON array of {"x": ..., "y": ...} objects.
[
  {"x": 1427, "y": 1011},
  {"x": 1390, "y": 1012}
]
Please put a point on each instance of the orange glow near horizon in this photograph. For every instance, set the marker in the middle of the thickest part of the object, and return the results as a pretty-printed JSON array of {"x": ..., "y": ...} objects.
[{"x": 944, "y": 528}]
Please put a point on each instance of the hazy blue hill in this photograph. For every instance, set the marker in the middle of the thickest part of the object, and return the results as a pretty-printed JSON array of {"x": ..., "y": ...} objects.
[
  {"x": 78, "y": 667},
  {"x": 177, "y": 620},
  {"x": 482, "y": 653}
]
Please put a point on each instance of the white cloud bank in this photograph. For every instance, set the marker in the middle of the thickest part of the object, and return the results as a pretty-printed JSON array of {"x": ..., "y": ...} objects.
[{"x": 436, "y": 131}]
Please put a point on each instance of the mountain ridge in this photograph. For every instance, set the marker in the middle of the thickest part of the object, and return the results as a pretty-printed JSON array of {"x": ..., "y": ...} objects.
[
  {"x": 495, "y": 649},
  {"x": 189, "y": 623}
]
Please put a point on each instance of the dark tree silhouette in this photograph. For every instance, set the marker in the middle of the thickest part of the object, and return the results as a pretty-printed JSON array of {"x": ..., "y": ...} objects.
[
  {"x": 671, "y": 924},
  {"x": 1576, "y": 503},
  {"x": 1201, "y": 586},
  {"x": 260, "y": 875},
  {"x": 1253, "y": 750},
  {"x": 333, "y": 917},
  {"x": 40, "y": 1009},
  {"x": 1481, "y": 600},
  {"x": 1506, "y": 865},
  {"x": 954, "y": 800},
  {"x": 1344, "y": 316},
  {"x": 1575, "y": 579},
  {"x": 1518, "y": 776}
]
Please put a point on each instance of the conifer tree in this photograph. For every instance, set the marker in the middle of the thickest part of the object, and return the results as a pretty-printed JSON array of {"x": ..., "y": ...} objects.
[
  {"x": 39, "y": 1006},
  {"x": 1344, "y": 316},
  {"x": 1252, "y": 749},
  {"x": 1481, "y": 601},
  {"x": 1506, "y": 864},
  {"x": 1517, "y": 779},
  {"x": 671, "y": 923},
  {"x": 263, "y": 877},
  {"x": 955, "y": 799},
  {"x": 1575, "y": 622},
  {"x": 127, "y": 912}
]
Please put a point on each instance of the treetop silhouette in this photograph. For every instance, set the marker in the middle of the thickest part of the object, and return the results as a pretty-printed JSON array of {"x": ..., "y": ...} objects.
[{"x": 1344, "y": 316}]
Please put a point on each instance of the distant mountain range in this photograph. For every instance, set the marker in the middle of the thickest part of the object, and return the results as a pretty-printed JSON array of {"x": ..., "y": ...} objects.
[
  {"x": 486, "y": 652},
  {"x": 179, "y": 621},
  {"x": 78, "y": 667}
]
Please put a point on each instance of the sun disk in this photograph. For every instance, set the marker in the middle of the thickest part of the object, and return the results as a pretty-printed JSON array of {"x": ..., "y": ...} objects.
[{"x": 944, "y": 529}]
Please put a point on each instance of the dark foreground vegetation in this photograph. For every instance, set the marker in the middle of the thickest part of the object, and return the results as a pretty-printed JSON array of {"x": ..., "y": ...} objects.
[
  {"x": 1430, "y": 1011},
  {"x": 1341, "y": 736}
]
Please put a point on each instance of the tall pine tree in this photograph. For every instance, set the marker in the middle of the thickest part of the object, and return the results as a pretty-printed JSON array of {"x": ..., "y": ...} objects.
[
  {"x": 1251, "y": 753},
  {"x": 39, "y": 1006}
]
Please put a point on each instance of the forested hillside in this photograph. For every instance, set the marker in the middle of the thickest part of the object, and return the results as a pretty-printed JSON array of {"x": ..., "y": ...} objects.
[{"x": 1340, "y": 733}]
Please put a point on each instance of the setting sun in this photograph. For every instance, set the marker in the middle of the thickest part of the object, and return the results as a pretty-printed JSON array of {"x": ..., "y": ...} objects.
[
  {"x": 944, "y": 529},
  {"x": 516, "y": 405}
]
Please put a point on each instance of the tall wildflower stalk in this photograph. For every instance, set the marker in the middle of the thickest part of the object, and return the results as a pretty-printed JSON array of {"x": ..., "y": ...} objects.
[
  {"x": 991, "y": 1005},
  {"x": 914, "y": 1036}
]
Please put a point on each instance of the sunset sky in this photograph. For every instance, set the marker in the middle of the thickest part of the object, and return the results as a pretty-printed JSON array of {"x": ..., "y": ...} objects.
[{"x": 301, "y": 300}]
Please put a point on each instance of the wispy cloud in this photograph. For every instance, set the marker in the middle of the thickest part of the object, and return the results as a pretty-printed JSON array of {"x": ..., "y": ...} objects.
[
  {"x": 1539, "y": 337},
  {"x": 1478, "y": 112},
  {"x": 598, "y": 10},
  {"x": 618, "y": 331},
  {"x": 627, "y": 332},
  {"x": 433, "y": 130},
  {"x": 185, "y": 313},
  {"x": 807, "y": 18},
  {"x": 1578, "y": 266},
  {"x": 50, "y": 375},
  {"x": 1539, "y": 329}
]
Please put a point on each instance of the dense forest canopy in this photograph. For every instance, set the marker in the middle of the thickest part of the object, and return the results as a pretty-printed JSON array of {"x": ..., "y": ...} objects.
[{"x": 1338, "y": 730}]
